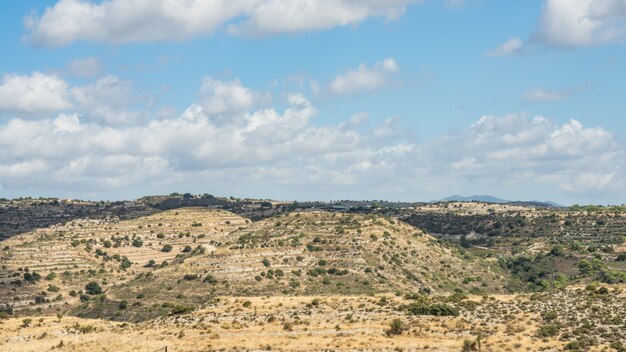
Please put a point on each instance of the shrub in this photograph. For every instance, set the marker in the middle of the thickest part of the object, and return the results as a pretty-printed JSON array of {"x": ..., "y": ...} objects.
[
  {"x": 167, "y": 248},
  {"x": 93, "y": 288},
  {"x": 438, "y": 310},
  {"x": 266, "y": 262},
  {"x": 137, "y": 242},
  {"x": 187, "y": 249},
  {"x": 125, "y": 264},
  {"x": 123, "y": 304},
  {"x": 548, "y": 330},
  {"x": 210, "y": 279},
  {"x": 396, "y": 327},
  {"x": 34, "y": 277},
  {"x": 180, "y": 309}
]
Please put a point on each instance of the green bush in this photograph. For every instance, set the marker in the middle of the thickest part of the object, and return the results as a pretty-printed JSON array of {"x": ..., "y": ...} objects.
[
  {"x": 93, "y": 288},
  {"x": 180, "y": 309},
  {"x": 548, "y": 330},
  {"x": 439, "y": 310},
  {"x": 210, "y": 279},
  {"x": 396, "y": 327}
]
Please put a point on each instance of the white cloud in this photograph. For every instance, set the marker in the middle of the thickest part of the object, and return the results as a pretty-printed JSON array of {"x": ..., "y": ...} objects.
[
  {"x": 533, "y": 153},
  {"x": 550, "y": 95},
  {"x": 278, "y": 16},
  {"x": 36, "y": 93},
  {"x": 365, "y": 78},
  {"x": 123, "y": 21},
  {"x": 67, "y": 123},
  {"x": 575, "y": 23},
  {"x": 511, "y": 46},
  {"x": 221, "y": 97},
  {"x": 282, "y": 153},
  {"x": 109, "y": 99}
]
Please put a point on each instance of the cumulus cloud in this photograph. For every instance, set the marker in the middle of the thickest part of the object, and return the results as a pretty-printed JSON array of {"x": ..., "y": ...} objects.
[
  {"x": 123, "y": 21},
  {"x": 36, "y": 93},
  {"x": 511, "y": 46},
  {"x": 575, "y": 23},
  {"x": 286, "y": 146},
  {"x": 222, "y": 97},
  {"x": 516, "y": 150},
  {"x": 228, "y": 142},
  {"x": 108, "y": 99},
  {"x": 277, "y": 16},
  {"x": 365, "y": 78}
]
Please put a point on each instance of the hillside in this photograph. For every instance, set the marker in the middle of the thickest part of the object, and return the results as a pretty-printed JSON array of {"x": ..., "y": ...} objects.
[{"x": 200, "y": 276}]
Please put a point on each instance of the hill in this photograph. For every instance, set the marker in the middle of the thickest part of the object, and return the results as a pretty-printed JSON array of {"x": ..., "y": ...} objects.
[{"x": 300, "y": 278}]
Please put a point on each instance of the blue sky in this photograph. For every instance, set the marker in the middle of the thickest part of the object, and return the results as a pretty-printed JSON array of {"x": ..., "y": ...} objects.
[{"x": 395, "y": 99}]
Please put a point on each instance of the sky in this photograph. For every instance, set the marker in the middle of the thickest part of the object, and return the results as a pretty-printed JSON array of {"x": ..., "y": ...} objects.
[{"x": 403, "y": 100}]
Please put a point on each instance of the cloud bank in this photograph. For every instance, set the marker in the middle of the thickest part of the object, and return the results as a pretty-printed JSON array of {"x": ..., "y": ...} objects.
[{"x": 231, "y": 140}]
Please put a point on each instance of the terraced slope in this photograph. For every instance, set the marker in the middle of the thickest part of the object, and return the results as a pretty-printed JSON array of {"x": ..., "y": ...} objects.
[
  {"x": 40, "y": 269},
  {"x": 310, "y": 254}
]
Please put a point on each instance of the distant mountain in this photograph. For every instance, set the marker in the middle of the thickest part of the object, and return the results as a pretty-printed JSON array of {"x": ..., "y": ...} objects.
[
  {"x": 474, "y": 198},
  {"x": 492, "y": 199}
]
